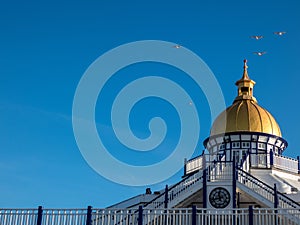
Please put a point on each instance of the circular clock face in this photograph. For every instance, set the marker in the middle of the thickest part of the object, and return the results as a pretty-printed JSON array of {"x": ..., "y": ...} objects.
[{"x": 219, "y": 197}]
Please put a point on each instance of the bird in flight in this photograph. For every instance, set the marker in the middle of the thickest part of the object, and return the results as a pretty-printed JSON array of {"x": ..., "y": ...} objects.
[
  {"x": 259, "y": 53},
  {"x": 176, "y": 46},
  {"x": 257, "y": 37},
  {"x": 279, "y": 33}
]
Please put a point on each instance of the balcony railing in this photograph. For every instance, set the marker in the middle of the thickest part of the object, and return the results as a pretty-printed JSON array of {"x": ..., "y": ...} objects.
[
  {"x": 286, "y": 163},
  {"x": 220, "y": 171},
  {"x": 260, "y": 160},
  {"x": 194, "y": 164},
  {"x": 179, "y": 216}
]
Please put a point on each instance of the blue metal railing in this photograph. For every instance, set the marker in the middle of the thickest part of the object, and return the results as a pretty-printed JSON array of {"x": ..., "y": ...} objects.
[{"x": 178, "y": 216}]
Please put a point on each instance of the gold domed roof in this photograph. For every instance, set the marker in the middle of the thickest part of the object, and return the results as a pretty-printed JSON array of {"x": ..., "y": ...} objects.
[{"x": 245, "y": 114}]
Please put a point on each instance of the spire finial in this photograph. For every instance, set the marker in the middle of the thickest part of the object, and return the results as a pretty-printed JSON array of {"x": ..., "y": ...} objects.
[
  {"x": 245, "y": 64},
  {"x": 245, "y": 85},
  {"x": 245, "y": 74}
]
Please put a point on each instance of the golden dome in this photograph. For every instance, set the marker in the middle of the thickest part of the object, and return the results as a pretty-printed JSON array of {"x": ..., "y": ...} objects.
[{"x": 245, "y": 114}]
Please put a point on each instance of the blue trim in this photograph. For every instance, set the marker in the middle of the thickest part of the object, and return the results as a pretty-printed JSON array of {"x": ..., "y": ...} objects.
[
  {"x": 275, "y": 197},
  {"x": 204, "y": 192},
  {"x": 247, "y": 132},
  {"x": 298, "y": 158},
  {"x": 271, "y": 158},
  {"x": 234, "y": 183}
]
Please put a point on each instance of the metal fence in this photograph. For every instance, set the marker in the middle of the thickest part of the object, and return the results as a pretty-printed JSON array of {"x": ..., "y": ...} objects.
[
  {"x": 64, "y": 216},
  {"x": 18, "y": 216},
  {"x": 179, "y": 216}
]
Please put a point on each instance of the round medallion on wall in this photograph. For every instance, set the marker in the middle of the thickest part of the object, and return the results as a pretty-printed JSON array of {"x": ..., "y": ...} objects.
[{"x": 219, "y": 197}]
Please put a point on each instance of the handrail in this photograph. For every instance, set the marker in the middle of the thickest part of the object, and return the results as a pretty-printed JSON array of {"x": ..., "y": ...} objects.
[
  {"x": 163, "y": 193},
  {"x": 189, "y": 181},
  {"x": 179, "y": 187},
  {"x": 283, "y": 199},
  {"x": 158, "y": 202}
]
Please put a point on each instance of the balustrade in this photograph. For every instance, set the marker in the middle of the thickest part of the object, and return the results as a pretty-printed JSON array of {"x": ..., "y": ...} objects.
[
  {"x": 178, "y": 216},
  {"x": 285, "y": 163}
]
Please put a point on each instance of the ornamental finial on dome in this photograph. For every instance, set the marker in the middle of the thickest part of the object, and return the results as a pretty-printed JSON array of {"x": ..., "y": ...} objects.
[
  {"x": 245, "y": 74},
  {"x": 245, "y": 85}
]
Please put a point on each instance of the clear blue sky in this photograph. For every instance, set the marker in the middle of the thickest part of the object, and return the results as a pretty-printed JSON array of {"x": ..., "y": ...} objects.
[{"x": 46, "y": 46}]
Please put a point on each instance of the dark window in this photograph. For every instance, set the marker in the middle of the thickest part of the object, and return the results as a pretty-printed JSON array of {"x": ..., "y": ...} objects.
[
  {"x": 246, "y": 144},
  {"x": 244, "y": 89}
]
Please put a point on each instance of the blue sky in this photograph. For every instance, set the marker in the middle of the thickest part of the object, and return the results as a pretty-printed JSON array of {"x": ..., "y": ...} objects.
[{"x": 46, "y": 46}]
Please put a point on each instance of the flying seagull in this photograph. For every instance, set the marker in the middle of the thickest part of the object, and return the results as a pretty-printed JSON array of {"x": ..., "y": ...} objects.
[
  {"x": 279, "y": 33},
  {"x": 257, "y": 37},
  {"x": 259, "y": 53}
]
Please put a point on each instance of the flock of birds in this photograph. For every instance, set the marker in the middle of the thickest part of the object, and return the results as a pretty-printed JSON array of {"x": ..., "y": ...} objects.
[{"x": 256, "y": 37}]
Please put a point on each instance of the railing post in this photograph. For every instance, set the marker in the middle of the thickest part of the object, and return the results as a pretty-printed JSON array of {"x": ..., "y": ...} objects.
[
  {"x": 234, "y": 177},
  {"x": 271, "y": 158},
  {"x": 250, "y": 158},
  {"x": 39, "y": 215},
  {"x": 298, "y": 158},
  {"x": 89, "y": 215},
  {"x": 204, "y": 188},
  {"x": 275, "y": 197},
  {"x": 250, "y": 215},
  {"x": 140, "y": 219},
  {"x": 194, "y": 215},
  {"x": 275, "y": 203},
  {"x": 185, "y": 162},
  {"x": 203, "y": 160},
  {"x": 166, "y": 197}
]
